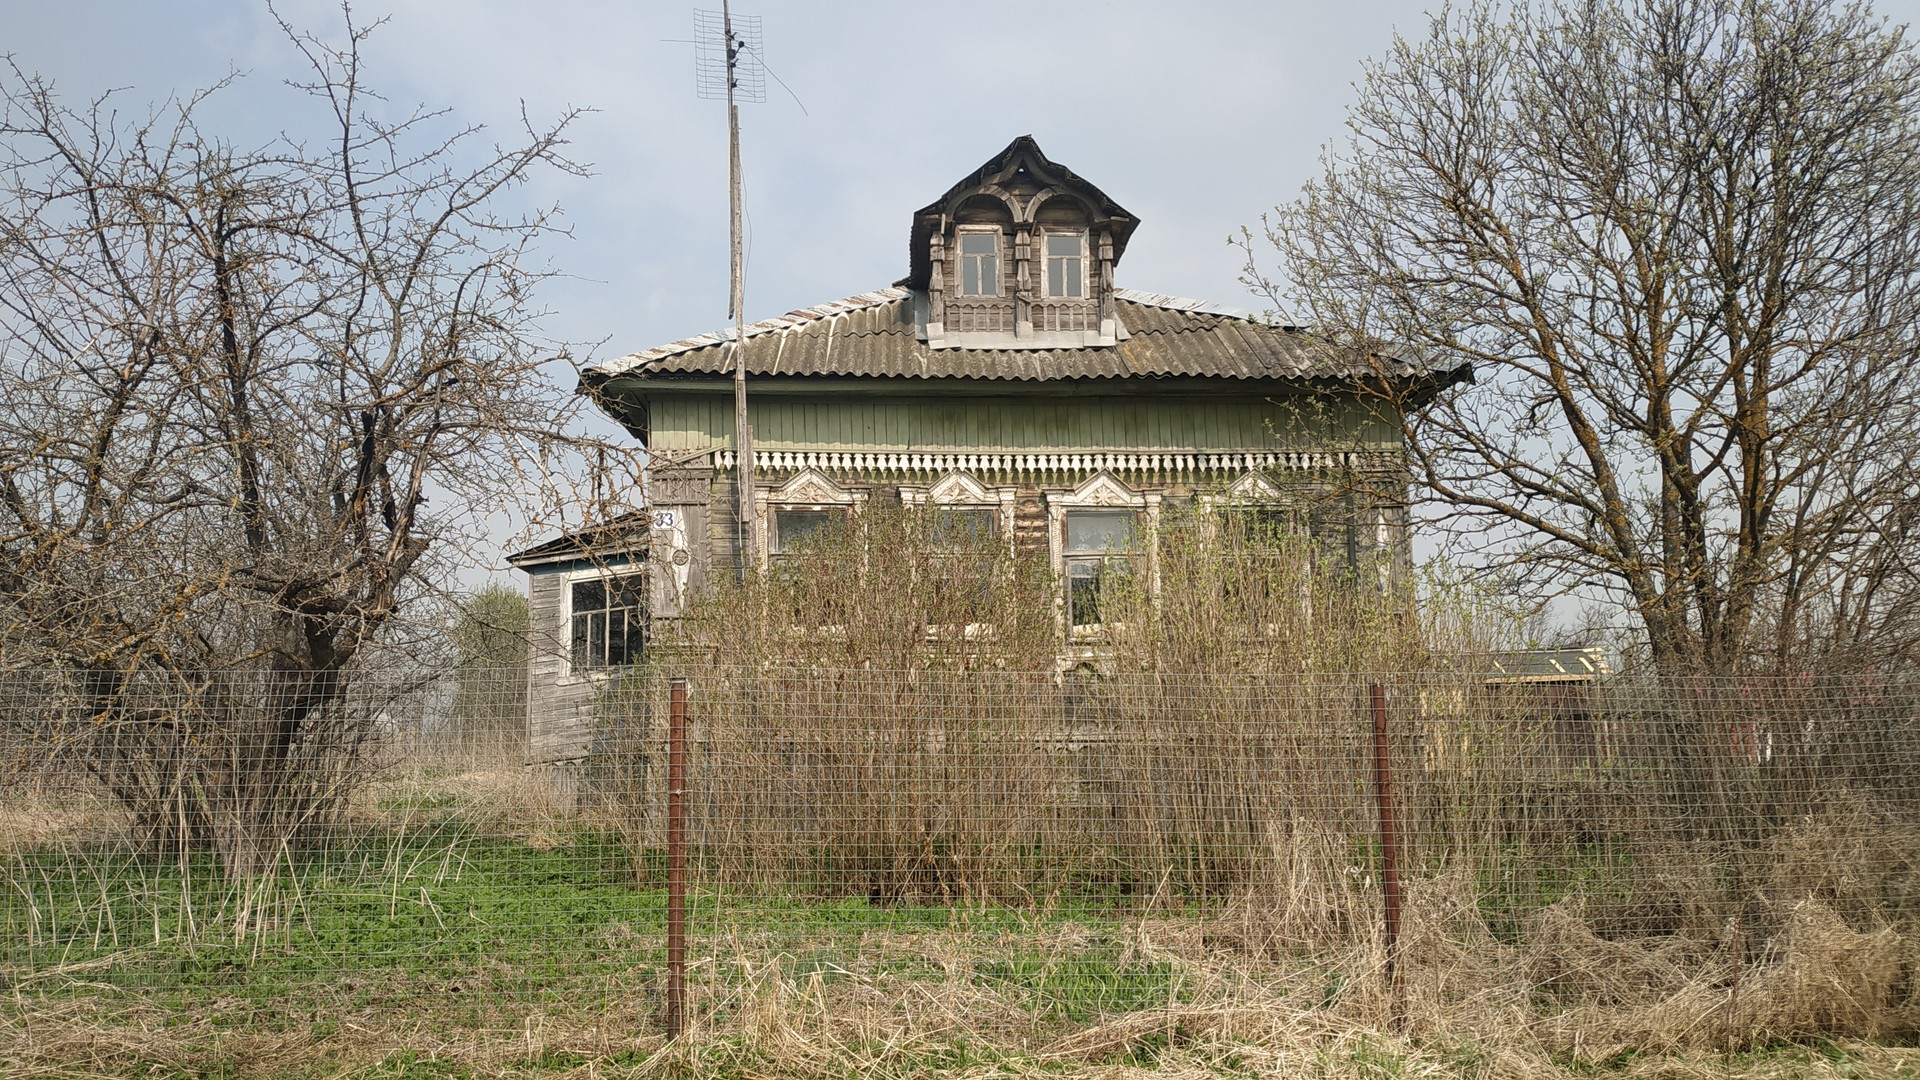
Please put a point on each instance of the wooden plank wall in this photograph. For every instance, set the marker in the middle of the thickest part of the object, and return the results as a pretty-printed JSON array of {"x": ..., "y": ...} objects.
[
  {"x": 559, "y": 721},
  {"x": 694, "y": 422}
]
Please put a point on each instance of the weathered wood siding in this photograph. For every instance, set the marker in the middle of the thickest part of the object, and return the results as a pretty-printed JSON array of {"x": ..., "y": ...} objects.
[
  {"x": 556, "y": 730},
  {"x": 560, "y": 704},
  {"x": 684, "y": 422}
]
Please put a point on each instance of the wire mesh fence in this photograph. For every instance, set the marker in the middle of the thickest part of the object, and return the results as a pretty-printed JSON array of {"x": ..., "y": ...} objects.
[{"x": 1072, "y": 863}]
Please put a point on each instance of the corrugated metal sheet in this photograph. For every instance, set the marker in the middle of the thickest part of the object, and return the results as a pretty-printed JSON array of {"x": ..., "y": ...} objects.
[
  {"x": 625, "y": 535},
  {"x": 873, "y": 334}
]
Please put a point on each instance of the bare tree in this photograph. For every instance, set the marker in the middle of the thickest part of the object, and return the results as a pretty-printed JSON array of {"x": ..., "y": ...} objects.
[
  {"x": 245, "y": 396},
  {"x": 1679, "y": 240}
]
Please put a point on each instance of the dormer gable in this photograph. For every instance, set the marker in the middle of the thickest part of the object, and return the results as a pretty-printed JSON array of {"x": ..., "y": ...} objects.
[{"x": 1020, "y": 254}]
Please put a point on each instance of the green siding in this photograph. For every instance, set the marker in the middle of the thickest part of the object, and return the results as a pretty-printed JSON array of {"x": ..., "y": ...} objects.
[{"x": 695, "y": 421}]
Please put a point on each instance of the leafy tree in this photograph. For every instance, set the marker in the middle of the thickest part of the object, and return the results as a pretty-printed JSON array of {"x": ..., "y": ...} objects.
[
  {"x": 1679, "y": 241},
  {"x": 491, "y": 633}
]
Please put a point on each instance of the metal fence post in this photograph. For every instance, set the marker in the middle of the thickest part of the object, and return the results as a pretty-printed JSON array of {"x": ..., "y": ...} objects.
[
  {"x": 1389, "y": 836},
  {"x": 676, "y": 857}
]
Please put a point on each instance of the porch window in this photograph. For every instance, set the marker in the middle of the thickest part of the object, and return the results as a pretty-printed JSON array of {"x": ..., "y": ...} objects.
[
  {"x": 609, "y": 621},
  {"x": 1096, "y": 549}
]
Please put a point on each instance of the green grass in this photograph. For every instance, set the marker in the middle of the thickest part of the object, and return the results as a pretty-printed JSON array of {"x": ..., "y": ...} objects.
[
  {"x": 476, "y": 926},
  {"x": 387, "y": 947},
  {"x": 372, "y": 922},
  {"x": 1085, "y": 985},
  {"x": 1518, "y": 881}
]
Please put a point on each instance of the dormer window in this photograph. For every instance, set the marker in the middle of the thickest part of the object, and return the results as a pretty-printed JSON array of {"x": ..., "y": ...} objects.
[
  {"x": 979, "y": 262},
  {"x": 1066, "y": 265},
  {"x": 1018, "y": 255}
]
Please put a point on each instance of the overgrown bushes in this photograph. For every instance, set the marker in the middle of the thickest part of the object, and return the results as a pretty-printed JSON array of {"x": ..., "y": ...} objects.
[{"x": 887, "y": 718}]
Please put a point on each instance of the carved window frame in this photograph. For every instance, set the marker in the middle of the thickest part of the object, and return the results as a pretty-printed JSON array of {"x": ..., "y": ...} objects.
[
  {"x": 1101, "y": 491},
  {"x": 1083, "y": 258},
  {"x": 807, "y": 490},
  {"x": 1255, "y": 491},
  {"x": 960, "y": 258},
  {"x": 958, "y": 490}
]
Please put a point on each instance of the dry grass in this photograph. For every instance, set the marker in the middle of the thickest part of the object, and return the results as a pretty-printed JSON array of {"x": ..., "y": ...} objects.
[
  {"x": 773, "y": 1016},
  {"x": 30, "y": 821}
]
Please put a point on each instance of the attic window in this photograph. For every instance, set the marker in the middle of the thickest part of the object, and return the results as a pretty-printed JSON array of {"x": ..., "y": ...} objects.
[
  {"x": 979, "y": 262},
  {"x": 1066, "y": 265}
]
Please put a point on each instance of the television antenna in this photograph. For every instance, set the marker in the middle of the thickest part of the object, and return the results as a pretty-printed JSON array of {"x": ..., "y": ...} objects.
[
  {"x": 726, "y": 61},
  {"x": 726, "y": 56}
]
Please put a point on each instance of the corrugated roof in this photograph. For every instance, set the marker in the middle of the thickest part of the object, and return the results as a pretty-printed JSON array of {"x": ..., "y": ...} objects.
[
  {"x": 624, "y": 536},
  {"x": 874, "y": 335}
]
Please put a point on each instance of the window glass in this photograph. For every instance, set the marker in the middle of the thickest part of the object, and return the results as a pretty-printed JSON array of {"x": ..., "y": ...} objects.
[
  {"x": 1261, "y": 544},
  {"x": 795, "y": 528},
  {"x": 979, "y": 264},
  {"x": 961, "y": 526},
  {"x": 609, "y": 626},
  {"x": 1066, "y": 264},
  {"x": 1085, "y": 578},
  {"x": 962, "y": 586},
  {"x": 1096, "y": 532},
  {"x": 1331, "y": 523},
  {"x": 1097, "y": 545},
  {"x": 1258, "y": 527},
  {"x": 589, "y": 595}
]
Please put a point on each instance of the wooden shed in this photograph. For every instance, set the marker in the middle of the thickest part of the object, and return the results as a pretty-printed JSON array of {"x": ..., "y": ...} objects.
[{"x": 589, "y": 608}]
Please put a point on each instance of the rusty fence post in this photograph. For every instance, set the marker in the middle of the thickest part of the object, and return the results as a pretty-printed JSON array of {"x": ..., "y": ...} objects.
[
  {"x": 1389, "y": 836},
  {"x": 676, "y": 857}
]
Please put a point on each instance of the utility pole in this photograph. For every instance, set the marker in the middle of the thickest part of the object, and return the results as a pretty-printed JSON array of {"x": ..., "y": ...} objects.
[
  {"x": 742, "y": 430},
  {"x": 734, "y": 71}
]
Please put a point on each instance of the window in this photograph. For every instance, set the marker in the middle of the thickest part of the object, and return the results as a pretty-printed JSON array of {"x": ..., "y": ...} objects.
[
  {"x": 609, "y": 621},
  {"x": 962, "y": 587},
  {"x": 1261, "y": 550},
  {"x": 1335, "y": 537},
  {"x": 1066, "y": 264},
  {"x": 979, "y": 263},
  {"x": 806, "y": 510},
  {"x": 1258, "y": 528},
  {"x": 794, "y": 529},
  {"x": 1097, "y": 544},
  {"x": 961, "y": 527}
]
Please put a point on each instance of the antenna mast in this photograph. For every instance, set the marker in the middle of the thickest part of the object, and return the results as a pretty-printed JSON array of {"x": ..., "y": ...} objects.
[{"x": 736, "y": 37}]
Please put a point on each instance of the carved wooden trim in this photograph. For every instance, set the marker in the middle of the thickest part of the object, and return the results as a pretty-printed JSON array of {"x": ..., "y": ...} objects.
[
  {"x": 1044, "y": 466},
  {"x": 960, "y": 489}
]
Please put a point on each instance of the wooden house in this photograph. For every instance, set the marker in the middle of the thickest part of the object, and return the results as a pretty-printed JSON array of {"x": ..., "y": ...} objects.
[{"x": 1007, "y": 376}]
